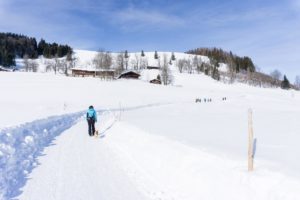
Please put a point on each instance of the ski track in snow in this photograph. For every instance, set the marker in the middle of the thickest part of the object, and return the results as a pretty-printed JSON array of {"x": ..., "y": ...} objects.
[{"x": 21, "y": 145}]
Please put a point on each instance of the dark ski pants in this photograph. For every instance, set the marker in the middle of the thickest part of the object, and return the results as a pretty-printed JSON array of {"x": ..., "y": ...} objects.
[{"x": 91, "y": 124}]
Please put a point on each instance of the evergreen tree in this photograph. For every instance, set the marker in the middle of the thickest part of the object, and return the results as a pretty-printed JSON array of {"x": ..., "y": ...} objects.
[
  {"x": 285, "y": 84},
  {"x": 173, "y": 56},
  {"x": 41, "y": 46},
  {"x": 47, "y": 51},
  {"x": 142, "y": 53},
  {"x": 158, "y": 77},
  {"x": 155, "y": 55},
  {"x": 126, "y": 56},
  {"x": 215, "y": 74}
]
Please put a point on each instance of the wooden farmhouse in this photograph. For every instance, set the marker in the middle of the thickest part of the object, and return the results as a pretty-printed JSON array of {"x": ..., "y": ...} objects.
[
  {"x": 83, "y": 72},
  {"x": 103, "y": 74},
  {"x": 129, "y": 75}
]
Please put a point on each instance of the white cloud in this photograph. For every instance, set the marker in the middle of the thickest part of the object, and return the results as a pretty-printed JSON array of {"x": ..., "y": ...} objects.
[{"x": 136, "y": 19}]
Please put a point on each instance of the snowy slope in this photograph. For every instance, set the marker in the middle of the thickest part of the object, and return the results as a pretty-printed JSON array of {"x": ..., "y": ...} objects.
[
  {"x": 84, "y": 59},
  {"x": 157, "y": 143}
]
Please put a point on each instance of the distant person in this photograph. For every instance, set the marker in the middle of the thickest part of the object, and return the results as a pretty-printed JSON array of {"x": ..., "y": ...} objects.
[{"x": 91, "y": 117}]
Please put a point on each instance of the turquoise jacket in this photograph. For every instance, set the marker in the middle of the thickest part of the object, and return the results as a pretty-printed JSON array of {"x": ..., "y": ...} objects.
[{"x": 91, "y": 113}]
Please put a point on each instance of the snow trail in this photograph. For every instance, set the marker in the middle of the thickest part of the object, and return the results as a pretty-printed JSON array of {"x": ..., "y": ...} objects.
[
  {"x": 79, "y": 167},
  {"x": 20, "y": 147},
  {"x": 130, "y": 163}
]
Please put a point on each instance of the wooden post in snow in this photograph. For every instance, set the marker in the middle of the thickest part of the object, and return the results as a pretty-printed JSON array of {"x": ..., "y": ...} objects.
[{"x": 250, "y": 141}]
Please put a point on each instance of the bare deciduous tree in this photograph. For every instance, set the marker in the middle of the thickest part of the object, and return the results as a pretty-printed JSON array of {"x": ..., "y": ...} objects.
[
  {"x": 107, "y": 62},
  {"x": 276, "y": 74},
  {"x": 297, "y": 82},
  {"x": 166, "y": 75},
  {"x": 57, "y": 64},
  {"x": 102, "y": 60},
  {"x": 197, "y": 63},
  {"x": 136, "y": 61},
  {"x": 120, "y": 62},
  {"x": 144, "y": 62},
  {"x": 71, "y": 62},
  {"x": 34, "y": 66},
  {"x": 158, "y": 62},
  {"x": 98, "y": 60},
  {"x": 188, "y": 66},
  {"x": 180, "y": 65},
  {"x": 26, "y": 62},
  {"x": 231, "y": 69},
  {"x": 48, "y": 66},
  {"x": 30, "y": 65}
]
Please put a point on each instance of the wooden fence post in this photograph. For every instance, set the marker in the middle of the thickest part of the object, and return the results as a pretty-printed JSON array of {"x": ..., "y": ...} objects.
[{"x": 250, "y": 141}]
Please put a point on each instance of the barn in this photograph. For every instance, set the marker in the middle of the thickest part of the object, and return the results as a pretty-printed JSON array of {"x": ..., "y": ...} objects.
[
  {"x": 103, "y": 74},
  {"x": 83, "y": 72}
]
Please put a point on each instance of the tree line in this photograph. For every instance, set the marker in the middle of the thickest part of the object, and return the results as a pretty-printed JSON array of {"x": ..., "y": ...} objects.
[
  {"x": 14, "y": 46},
  {"x": 220, "y": 56}
]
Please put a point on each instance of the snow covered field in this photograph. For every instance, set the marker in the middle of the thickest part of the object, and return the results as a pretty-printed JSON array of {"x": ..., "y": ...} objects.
[{"x": 155, "y": 142}]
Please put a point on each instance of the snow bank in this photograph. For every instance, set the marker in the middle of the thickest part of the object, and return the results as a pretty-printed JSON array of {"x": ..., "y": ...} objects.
[{"x": 21, "y": 145}]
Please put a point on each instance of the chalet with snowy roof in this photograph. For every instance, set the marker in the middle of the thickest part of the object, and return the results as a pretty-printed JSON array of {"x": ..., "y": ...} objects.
[{"x": 129, "y": 75}]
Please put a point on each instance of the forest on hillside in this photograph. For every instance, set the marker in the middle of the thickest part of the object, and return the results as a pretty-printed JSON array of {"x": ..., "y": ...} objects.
[
  {"x": 14, "y": 46},
  {"x": 220, "y": 56}
]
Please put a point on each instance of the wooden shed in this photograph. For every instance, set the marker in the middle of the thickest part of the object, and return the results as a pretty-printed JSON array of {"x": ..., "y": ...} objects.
[
  {"x": 156, "y": 81},
  {"x": 129, "y": 75}
]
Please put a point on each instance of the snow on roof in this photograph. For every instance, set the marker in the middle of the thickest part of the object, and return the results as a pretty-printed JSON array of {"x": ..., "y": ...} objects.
[
  {"x": 6, "y": 69},
  {"x": 93, "y": 70}
]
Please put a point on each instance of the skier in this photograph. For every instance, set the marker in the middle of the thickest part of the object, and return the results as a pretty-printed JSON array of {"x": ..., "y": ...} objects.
[{"x": 91, "y": 117}]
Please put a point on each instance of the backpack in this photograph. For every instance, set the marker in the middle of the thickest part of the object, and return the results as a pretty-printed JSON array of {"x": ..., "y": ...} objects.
[{"x": 90, "y": 116}]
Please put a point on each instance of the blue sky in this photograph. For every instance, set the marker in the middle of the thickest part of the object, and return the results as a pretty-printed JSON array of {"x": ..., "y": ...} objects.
[{"x": 267, "y": 31}]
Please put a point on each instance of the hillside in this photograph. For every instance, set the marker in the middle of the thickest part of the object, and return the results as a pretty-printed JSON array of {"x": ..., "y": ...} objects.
[
  {"x": 156, "y": 142},
  {"x": 176, "y": 61}
]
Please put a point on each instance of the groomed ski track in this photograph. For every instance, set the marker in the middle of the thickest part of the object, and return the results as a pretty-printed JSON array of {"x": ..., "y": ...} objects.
[{"x": 79, "y": 167}]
